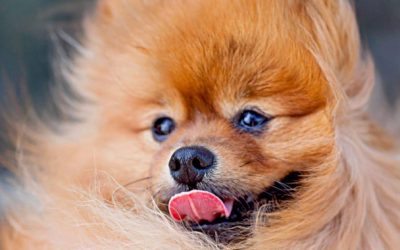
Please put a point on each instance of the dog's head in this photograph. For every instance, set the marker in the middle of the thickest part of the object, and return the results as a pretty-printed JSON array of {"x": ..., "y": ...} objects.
[{"x": 226, "y": 97}]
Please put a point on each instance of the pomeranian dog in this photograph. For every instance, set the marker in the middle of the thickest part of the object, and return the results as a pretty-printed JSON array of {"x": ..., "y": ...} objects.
[{"x": 207, "y": 125}]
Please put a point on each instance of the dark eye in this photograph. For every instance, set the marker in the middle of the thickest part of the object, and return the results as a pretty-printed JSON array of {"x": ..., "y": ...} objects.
[
  {"x": 251, "y": 121},
  {"x": 162, "y": 128}
]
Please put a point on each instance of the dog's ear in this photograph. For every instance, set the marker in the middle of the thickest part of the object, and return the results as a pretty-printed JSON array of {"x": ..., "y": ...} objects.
[
  {"x": 335, "y": 42},
  {"x": 107, "y": 9},
  {"x": 121, "y": 13}
]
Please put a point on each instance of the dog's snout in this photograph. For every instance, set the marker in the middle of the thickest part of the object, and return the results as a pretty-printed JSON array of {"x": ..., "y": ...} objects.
[{"x": 188, "y": 165}]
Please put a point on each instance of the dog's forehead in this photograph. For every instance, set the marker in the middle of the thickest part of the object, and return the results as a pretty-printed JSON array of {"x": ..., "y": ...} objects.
[
  {"x": 242, "y": 57},
  {"x": 231, "y": 69},
  {"x": 252, "y": 51}
]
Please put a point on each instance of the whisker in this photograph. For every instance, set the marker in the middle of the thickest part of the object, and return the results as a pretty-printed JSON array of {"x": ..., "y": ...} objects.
[
  {"x": 120, "y": 187},
  {"x": 246, "y": 163},
  {"x": 285, "y": 187},
  {"x": 137, "y": 181}
]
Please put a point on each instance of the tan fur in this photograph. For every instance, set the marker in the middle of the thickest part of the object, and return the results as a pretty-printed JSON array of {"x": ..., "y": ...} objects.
[{"x": 99, "y": 183}]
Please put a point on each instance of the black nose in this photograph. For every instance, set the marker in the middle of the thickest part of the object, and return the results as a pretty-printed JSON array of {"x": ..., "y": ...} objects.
[{"x": 188, "y": 165}]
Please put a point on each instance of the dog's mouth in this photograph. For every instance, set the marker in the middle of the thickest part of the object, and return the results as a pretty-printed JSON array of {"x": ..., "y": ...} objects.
[
  {"x": 227, "y": 229},
  {"x": 229, "y": 218}
]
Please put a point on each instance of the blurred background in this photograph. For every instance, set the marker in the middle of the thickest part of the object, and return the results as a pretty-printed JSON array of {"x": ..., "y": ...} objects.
[{"x": 28, "y": 28}]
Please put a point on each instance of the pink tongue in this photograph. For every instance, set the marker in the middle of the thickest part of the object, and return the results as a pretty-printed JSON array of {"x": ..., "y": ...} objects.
[{"x": 198, "y": 206}]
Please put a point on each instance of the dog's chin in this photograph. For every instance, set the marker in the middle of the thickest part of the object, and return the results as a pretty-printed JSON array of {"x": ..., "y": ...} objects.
[{"x": 238, "y": 226}]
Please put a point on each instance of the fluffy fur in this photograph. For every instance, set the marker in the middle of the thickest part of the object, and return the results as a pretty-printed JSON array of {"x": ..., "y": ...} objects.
[{"x": 98, "y": 181}]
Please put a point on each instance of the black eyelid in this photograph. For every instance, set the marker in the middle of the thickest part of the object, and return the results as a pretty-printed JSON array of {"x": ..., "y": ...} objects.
[
  {"x": 160, "y": 135},
  {"x": 237, "y": 122},
  {"x": 257, "y": 110}
]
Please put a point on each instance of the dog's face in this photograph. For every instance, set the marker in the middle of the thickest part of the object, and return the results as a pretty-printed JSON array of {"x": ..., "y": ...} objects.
[
  {"x": 232, "y": 104},
  {"x": 242, "y": 125}
]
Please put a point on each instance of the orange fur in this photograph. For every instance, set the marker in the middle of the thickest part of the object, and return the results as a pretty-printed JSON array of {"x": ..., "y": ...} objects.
[{"x": 101, "y": 181}]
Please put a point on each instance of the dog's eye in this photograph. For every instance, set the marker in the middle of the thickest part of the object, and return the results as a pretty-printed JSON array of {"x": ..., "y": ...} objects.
[
  {"x": 162, "y": 128},
  {"x": 251, "y": 121}
]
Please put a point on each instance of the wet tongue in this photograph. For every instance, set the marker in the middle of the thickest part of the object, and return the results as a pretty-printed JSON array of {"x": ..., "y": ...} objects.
[{"x": 197, "y": 206}]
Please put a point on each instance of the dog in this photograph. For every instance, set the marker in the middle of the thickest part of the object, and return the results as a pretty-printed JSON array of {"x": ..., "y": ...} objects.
[{"x": 208, "y": 125}]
